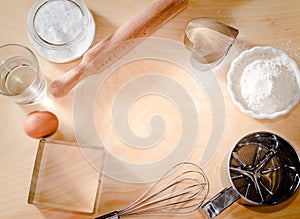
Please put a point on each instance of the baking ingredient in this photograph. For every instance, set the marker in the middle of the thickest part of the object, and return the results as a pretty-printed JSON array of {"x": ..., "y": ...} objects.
[
  {"x": 61, "y": 30},
  {"x": 268, "y": 85},
  {"x": 58, "y": 22},
  {"x": 40, "y": 124}
]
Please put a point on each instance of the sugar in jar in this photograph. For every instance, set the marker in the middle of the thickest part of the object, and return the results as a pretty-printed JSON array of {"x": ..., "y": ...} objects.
[{"x": 60, "y": 30}]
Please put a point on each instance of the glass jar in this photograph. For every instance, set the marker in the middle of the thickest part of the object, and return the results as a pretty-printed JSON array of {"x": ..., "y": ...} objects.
[{"x": 60, "y": 30}]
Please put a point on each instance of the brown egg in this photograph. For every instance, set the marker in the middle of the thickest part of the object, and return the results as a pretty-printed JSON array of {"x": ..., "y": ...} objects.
[{"x": 40, "y": 124}]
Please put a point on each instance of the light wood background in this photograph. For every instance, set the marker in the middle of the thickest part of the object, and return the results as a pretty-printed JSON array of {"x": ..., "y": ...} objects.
[{"x": 269, "y": 22}]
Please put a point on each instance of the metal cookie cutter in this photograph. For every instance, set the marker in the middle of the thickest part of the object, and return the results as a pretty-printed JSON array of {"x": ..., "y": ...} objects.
[{"x": 209, "y": 42}]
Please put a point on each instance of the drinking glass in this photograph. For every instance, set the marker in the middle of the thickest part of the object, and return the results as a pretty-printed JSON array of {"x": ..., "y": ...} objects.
[{"x": 20, "y": 77}]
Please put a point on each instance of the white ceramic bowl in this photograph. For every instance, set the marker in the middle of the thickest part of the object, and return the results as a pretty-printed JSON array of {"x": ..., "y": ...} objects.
[{"x": 236, "y": 70}]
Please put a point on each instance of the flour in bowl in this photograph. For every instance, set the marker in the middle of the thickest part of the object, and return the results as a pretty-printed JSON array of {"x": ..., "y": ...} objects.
[{"x": 268, "y": 85}]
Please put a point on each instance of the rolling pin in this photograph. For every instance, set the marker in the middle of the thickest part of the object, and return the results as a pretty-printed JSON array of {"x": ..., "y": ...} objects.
[{"x": 113, "y": 47}]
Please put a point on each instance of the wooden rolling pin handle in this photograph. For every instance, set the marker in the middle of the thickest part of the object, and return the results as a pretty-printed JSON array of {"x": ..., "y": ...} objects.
[
  {"x": 110, "y": 49},
  {"x": 65, "y": 84}
]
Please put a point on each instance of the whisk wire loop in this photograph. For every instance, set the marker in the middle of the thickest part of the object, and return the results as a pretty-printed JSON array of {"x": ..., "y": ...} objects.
[
  {"x": 181, "y": 190},
  {"x": 193, "y": 191}
]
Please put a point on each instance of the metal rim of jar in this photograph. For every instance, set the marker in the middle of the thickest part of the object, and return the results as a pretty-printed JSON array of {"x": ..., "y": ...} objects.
[{"x": 37, "y": 38}]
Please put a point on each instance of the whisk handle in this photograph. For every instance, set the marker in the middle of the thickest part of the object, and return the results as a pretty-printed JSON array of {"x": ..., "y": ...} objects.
[{"x": 112, "y": 215}]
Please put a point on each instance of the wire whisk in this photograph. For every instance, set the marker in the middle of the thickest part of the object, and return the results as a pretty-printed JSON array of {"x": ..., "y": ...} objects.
[{"x": 181, "y": 190}]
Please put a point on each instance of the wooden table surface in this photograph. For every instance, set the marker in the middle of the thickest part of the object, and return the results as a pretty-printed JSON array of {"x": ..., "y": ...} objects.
[{"x": 266, "y": 23}]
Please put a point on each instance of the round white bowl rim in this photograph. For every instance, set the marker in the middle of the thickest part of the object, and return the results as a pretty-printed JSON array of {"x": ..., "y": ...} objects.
[{"x": 240, "y": 58}]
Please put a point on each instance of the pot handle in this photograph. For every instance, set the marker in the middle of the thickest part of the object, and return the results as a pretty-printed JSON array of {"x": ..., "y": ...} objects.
[{"x": 220, "y": 202}]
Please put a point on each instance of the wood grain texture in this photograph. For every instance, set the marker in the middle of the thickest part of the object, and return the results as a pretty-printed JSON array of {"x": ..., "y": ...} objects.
[
  {"x": 269, "y": 22},
  {"x": 112, "y": 47}
]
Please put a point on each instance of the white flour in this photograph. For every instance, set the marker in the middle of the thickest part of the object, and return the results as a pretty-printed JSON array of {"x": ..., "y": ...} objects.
[
  {"x": 59, "y": 22},
  {"x": 61, "y": 30},
  {"x": 268, "y": 85}
]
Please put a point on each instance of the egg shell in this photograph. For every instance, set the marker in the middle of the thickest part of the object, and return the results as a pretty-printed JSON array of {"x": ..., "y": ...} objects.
[{"x": 40, "y": 124}]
